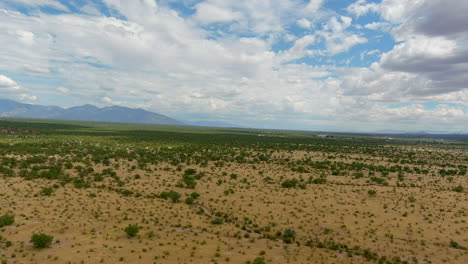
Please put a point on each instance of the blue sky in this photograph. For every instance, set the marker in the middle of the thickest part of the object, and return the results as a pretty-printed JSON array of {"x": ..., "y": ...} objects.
[{"x": 344, "y": 65}]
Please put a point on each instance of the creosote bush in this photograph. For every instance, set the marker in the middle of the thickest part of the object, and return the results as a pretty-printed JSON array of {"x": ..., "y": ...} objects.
[
  {"x": 217, "y": 221},
  {"x": 132, "y": 230},
  {"x": 6, "y": 220},
  {"x": 259, "y": 260},
  {"x": 289, "y": 236},
  {"x": 41, "y": 240}
]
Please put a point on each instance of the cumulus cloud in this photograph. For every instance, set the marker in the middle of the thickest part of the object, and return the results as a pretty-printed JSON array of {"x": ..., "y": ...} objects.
[
  {"x": 7, "y": 83},
  {"x": 362, "y": 7},
  {"x": 337, "y": 38},
  {"x": 11, "y": 89},
  {"x": 239, "y": 60},
  {"x": 430, "y": 61}
]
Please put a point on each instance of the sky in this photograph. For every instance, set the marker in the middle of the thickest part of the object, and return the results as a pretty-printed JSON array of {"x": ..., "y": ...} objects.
[{"x": 329, "y": 65}]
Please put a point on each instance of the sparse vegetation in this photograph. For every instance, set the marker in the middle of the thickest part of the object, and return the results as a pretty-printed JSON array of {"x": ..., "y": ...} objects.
[{"x": 224, "y": 195}]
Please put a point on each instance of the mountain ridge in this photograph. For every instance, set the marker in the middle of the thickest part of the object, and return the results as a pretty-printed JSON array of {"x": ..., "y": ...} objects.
[{"x": 87, "y": 112}]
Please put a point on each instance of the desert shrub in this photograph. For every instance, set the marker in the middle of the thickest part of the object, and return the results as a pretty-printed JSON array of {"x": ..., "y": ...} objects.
[
  {"x": 459, "y": 188},
  {"x": 126, "y": 192},
  {"x": 132, "y": 230},
  {"x": 290, "y": 183},
  {"x": 454, "y": 244},
  {"x": 41, "y": 240},
  {"x": 164, "y": 195},
  {"x": 379, "y": 181},
  {"x": 80, "y": 183},
  {"x": 320, "y": 180},
  {"x": 189, "y": 200},
  {"x": 174, "y": 196},
  {"x": 259, "y": 260},
  {"x": 358, "y": 175},
  {"x": 47, "y": 191},
  {"x": 289, "y": 235},
  {"x": 190, "y": 172},
  {"x": 372, "y": 192},
  {"x": 217, "y": 221},
  {"x": 6, "y": 220},
  {"x": 189, "y": 181},
  {"x": 195, "y": 195}
]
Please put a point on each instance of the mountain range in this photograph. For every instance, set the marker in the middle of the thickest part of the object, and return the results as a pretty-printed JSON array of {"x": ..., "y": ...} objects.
[
  {"x": 87, "y": 112},
  {"x": 9, "y": 108}
]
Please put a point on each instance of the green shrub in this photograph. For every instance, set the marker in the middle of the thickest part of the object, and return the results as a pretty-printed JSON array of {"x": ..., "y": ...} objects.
[
  {"x": 47, "y": 191},
  {"x": 454, "y": 244},
  {"x": 290, "y": 183},
  {"x": 372, "y": 192},
  {"x": 6, "y": 220},
  {"x": 259, "y": 260},
  {"x": 132, "y": 230},
  {"x": 459, "y": 188},
  {"x": 289, "y": 235},
  {"x": 189, "y": 200},
  {"x": 41, "y": 240},
  {"x": 320, "y": 180},
  {"x": 174, "y": 196},
  {"x": 217, "y": 221}
]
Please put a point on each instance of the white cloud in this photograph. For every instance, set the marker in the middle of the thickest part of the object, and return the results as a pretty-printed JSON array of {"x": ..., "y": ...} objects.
[
  {"x": 160, "y": 60},
  {"x": 39, "y": 3},
  {"x": 362, "y": 7},
  {"x": 337, "y": 38},
  {"x": 7, "y": 83},
  {"x": 304, "y": 23},
  {"x": 313, "y": 6},
  {"x": 398, "y": 11},
  {"x": 382, "y": 26},
  {"x": 11, "y": 89},
  {"x": 208, "y": 13},
  {"x": 63, "y": 90}
]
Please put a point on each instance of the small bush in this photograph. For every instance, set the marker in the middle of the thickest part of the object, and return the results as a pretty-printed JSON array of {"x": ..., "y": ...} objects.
[
  {"x": 459, "y": 188},
  {"x": 195, "y": 195},
  {"x": 217, "y": 221},
  {"x": 189, "y": 200},
  {"x": 41, "y": 240},
  {"x": 174, "y": 196},
  {"x": 372, "y": 193},
  {"x": 47, "y": 191},
  {"x": 454, "y": 244},
  {"x": 6, "y": 220},
  {"x": 259, "y": 260},
  {"x": 290, "y": 183},
  {"x": 132, "y": 230},
  {"x": 289, "y": 236}
]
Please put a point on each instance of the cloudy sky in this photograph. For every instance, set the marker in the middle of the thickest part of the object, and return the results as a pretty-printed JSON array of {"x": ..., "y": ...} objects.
[{"x": 343, "y": 65}]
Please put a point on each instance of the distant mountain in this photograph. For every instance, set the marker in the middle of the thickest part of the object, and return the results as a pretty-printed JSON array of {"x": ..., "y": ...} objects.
[
  {"x": 88, "y": 112},
  {"x": 212, "y": 124}
]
